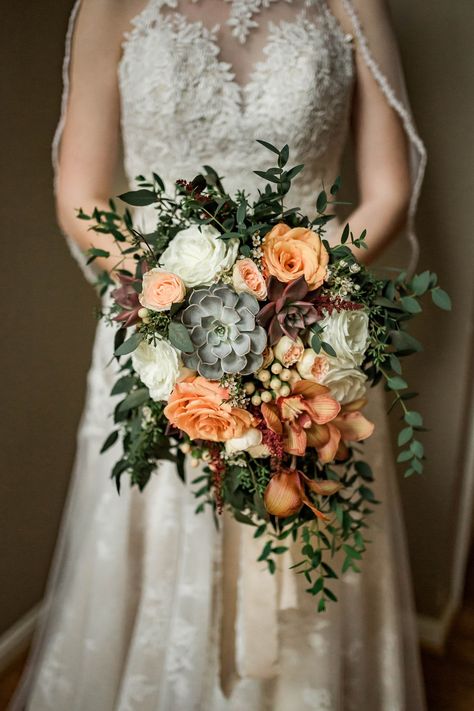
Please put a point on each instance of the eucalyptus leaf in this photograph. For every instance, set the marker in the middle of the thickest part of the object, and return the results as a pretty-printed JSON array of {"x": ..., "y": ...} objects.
[
  {"x": 322, "y": 201},
  {"x": 179, "y": 337},
  {"x": 396, "y": 383},
  {"x": 414, "y": 418},
  {"x": 420, "y": 283},
  {"x": 405, "y": 343},
  {"x": 410, "y": 304},
  {"x": 293, "y": 172},
  {"x": 123, "y": 385},
  {"x": 395, "y": 364},
  {"x": 134, "y": 399},
  {"x": 328, "y": 349},
  {"x": 441, "y": 299},
  {"x": 111, "y": 439},
  {"x": 139, "y": 198},
  {"x": 269, "y": 146},
  {"x": 316, "y": 343},
  {"x": 405, "y": 436},
  {"x": 130, "y": 344}
]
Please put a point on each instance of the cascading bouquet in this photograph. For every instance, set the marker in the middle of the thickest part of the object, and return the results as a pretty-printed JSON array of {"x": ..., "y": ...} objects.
[{"x": 247, "y": 342}]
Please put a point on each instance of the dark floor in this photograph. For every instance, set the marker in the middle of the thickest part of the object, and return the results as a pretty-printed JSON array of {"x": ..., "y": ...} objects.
[{"x": 449, "y": 678}]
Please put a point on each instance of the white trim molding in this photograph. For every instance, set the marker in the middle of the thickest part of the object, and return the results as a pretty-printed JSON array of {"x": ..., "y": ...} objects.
[
  {"x": 433, "y": 631},
  {"x": 16, "y": 639}
]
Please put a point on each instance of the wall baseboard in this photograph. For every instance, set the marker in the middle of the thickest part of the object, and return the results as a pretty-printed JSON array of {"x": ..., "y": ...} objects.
[
  {"x": 15, "y": 640},
  {"x": 433, "y": 631}
]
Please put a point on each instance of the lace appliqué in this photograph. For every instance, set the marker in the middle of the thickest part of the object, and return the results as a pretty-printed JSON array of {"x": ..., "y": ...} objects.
[
  {"x": 242, "y": 13},
  {"x": 182, "y": 106}
]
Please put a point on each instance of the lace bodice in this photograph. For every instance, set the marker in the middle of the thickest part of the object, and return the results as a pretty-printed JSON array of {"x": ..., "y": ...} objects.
[{"x": 182, "y": 105}]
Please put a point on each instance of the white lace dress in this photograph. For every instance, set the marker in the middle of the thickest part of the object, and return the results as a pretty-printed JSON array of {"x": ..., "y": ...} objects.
[{"x": 150, "y": 608}]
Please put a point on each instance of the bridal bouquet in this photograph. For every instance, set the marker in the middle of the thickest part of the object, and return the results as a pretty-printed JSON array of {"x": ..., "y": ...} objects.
[{"x": 247, "y": 342}]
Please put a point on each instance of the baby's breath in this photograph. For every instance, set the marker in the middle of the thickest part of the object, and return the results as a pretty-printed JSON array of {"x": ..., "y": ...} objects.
[{"x": 237, "y": 395}]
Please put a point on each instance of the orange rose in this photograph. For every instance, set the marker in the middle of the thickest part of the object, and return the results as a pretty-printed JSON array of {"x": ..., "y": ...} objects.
[
  {"x": 197, "y": 406},
  {"x": 247, "y": 277},
  {"x": 161, "y": 289},
  {"x": 293, "y": 252}
]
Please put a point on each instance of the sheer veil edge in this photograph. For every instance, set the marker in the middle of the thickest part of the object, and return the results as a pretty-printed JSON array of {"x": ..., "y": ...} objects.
[{"x": 388, "y": 73}]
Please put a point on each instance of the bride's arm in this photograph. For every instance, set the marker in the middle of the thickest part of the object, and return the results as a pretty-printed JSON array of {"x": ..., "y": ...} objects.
[
  {"x": 382, "y": 166},
  {"x": 89, "y": 147},
  {"x": 381, "y": 146}
]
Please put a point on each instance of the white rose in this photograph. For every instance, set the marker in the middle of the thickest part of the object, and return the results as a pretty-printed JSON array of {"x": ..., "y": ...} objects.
[
  {"x": 345, "y": 384},
  {"x": 158, "y": 367},
  {"x": 347, "y": 332},
  {"x": 249, "y": 442},
  {"x": 312, "y": 366},
  {"x": 198, "y": 255},
  {"x": 288, "y": 351}
]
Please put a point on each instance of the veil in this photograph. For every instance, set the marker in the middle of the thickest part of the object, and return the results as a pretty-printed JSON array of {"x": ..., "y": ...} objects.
[
  {"x": 375, "y": 40},
  {"x": 368, "y": 22}
]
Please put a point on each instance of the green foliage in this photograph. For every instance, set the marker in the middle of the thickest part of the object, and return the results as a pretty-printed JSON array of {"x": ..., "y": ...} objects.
[{"x": 179, "y": 337}]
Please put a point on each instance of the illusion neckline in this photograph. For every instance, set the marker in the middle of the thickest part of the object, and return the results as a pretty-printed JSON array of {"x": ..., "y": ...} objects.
[{"x": 209, "y": 35}]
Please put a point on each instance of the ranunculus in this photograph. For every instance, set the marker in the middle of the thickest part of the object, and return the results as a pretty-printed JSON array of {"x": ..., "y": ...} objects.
[
  {"x": 158, "y": 366},
  {"x": 347, "y": 332},
  {"x": 251, "y": 438},
  {"x": 246, "y": 276},
  {"x": 345, "y": 384},
  {"x": 290, "y": 253},
  {"x": 287, "y": 351},
  {"x": 198, "y": 407},
  {"x": 313, "y": 366},
  {"x": 161, "y": 289},
  {"x": 198, "y": 255}
]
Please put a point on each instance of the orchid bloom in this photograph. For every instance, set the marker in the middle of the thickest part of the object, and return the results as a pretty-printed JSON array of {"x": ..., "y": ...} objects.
[
  {"x": 301, "y": 417},
  {"x": 285, "y": 493},
  {"x": 350, "y": 425},
  {"x": 310, "y": 417}
]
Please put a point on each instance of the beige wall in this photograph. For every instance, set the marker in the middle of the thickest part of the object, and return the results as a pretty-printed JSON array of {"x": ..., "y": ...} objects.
[
  {"x": 436, "y": 44},
  {"x": 47, "y": 330}
]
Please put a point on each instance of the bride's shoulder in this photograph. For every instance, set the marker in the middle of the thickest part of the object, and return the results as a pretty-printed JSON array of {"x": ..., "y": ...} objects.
[
  {"x": 112, "y": 17},
  {"x": 369, "y": 12}
]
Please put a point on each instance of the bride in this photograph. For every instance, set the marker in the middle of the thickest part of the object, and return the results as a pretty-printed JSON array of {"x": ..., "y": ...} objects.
[{"x": 149, "y": 607}]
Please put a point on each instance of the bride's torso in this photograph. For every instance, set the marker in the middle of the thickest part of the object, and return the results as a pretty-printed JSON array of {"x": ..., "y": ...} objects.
[{"x": 200, "y": 81}]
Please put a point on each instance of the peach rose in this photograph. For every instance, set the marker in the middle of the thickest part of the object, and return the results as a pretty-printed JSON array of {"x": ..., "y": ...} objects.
[
  {"x": 247, "y": 277},
  {"x": 161, "y": 289},
  {"x": 287, "y": 351},
  {"x": 197, "y": 406},
  {"x": 293, "y": 252},
  {"x": 312, "y": 366}
]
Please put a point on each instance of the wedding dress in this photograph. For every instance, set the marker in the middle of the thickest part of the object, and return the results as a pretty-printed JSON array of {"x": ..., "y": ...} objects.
[{"x": 149, "y": 606}]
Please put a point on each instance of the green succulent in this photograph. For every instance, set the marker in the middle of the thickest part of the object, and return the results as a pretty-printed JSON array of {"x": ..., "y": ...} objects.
[{"x": 222, "y": 328}]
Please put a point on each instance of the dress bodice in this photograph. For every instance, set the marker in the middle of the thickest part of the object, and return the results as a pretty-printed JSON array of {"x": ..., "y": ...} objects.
[{"x": 183, "y": 107}]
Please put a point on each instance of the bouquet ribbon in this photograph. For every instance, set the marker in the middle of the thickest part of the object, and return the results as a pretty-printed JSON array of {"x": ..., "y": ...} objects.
[{"x": 260, "y": 597}]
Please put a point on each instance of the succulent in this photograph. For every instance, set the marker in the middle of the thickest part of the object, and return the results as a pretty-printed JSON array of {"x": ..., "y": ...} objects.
[
  {"x": 289, "y": 311},
  {"x": 224, "y": 333},
  {"x": 126, "y": 297}
]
